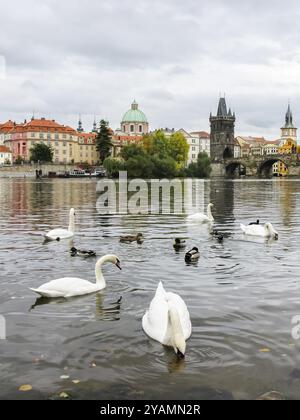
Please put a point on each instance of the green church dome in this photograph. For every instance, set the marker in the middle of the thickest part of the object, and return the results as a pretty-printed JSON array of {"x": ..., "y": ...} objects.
[{"x": 134, "y": 115}]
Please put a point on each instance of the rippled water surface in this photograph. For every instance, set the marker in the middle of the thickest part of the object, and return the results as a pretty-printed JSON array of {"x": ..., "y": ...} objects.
[{"x": 241, "y": 296}]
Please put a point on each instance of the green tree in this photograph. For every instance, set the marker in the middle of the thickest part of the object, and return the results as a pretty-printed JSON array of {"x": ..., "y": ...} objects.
[
  {"x": 178, "y": 148},
  {"x": 103, "y": 141},
  {"x": 40, "y": 152},
  {"x": 201, "y": 168},
  {"x": 131, "y": 150},
  {"x": 113, "y": 166},
  {"x": 164, "y": 168},
  {"x": 156, "y": 144}
]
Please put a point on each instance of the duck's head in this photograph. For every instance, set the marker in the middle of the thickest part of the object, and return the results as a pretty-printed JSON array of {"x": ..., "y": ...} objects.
[
  {"x": 139, "y": 235},
  {"x": 73, "y": 250},
  {"x": 195, "y": 249},
  {"x": 269, "y": 227},
  {"x": 178, "y": 241}
]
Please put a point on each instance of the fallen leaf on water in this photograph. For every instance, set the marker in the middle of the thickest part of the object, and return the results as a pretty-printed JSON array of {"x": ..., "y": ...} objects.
[
  {"x": 76, "y": 381},
  {"x": 265, "y": 350},
  {"x": 63, "y": 395},
  {"x": 64, "y": 377},
  {"x": 25, "y": 388}
]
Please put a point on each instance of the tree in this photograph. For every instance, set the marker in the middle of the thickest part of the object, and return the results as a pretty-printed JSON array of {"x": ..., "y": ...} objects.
[
  {"x": 201, "y": 168},
  {"x": 132, "y": 150},
  {"x": 113, "y": 166},
  {"x": 156, "y": 144},
  {"x": 103, "y": 141},
  {"x": 178, "y": 148},
  {"x": 40, "y": 152}
]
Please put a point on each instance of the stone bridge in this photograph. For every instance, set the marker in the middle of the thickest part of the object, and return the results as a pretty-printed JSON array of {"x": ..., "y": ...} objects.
[{"x": 255, "y": 165}]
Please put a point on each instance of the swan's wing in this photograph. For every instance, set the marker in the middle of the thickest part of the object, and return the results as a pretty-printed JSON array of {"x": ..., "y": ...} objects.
[
  {"x": 198, "y": 217},
  {"x": 254, "y": 230},
  {"x": 176, "y": 301},
  {"x": 59, "y": 233},
  {"x": 67, "y": 286},
  {"x": 155, "y": 321},
  {"x": 243, "y": 227}
]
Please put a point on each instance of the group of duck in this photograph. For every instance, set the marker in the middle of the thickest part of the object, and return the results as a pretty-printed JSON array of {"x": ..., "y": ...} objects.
[{"x": 167, "y": 320}]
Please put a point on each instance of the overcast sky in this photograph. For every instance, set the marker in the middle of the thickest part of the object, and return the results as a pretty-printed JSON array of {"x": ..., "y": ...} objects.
[{"x": 65, "y": 57}]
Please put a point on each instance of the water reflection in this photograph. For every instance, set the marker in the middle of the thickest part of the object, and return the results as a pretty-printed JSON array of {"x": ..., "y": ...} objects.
[{"x": 241, "y": 295}]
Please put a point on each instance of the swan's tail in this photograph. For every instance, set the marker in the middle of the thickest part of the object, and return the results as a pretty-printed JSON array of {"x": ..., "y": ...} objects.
[
  {"x": 243, "y": 227},
  {"x": 42, "y": 293}
]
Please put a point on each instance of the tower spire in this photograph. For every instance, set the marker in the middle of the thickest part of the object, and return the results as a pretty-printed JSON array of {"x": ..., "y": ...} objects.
[
  {"x": 94, "y": 125},
  {"x": 80, "y": 129},
  {"x": 289, "y": 117}
]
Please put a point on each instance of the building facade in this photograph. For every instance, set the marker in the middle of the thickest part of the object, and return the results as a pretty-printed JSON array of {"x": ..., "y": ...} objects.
[
  {"x": 5, "y": 155},
  {"x": 222, "y": 133}
]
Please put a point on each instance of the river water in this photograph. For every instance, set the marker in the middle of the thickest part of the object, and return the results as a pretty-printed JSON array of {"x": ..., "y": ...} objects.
[{"x": 242, "y": 296}]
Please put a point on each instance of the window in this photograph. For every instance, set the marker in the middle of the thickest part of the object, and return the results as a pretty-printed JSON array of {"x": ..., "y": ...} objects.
[
  {"x": 41, "y": 135},
  {"x": 56, "y": 143},
  {"x": 56, "y": 136},
  {"x": 64, "y": 136},
  {"x": 32, "y": 134},
  {"x": 132, "y": 128},
  {"x": 193, "y": 156},
  {"x": 140, "y": 128},
  {"x": 193, "y": 148},
  {"x": 64, "y": 152},
  {"x": 194, "y": 141},
  {"x": 64, "y": 143},
  {"x": 49, "y": 136},
  {"x": 124, "y": 128}
]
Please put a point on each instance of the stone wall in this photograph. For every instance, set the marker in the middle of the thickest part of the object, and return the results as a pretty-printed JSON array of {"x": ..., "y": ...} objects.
[{"x": 29, "y": 170}]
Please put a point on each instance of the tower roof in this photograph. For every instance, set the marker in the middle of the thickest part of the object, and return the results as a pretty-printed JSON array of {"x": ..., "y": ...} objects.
[
  {"x": 289, "y": 118},
  {"x": 134, "y": 115},
  {"x": 222, "y": 108}
]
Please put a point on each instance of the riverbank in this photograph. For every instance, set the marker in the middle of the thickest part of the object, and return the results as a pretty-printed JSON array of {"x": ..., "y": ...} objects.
[{"x": 28, "y": 170}]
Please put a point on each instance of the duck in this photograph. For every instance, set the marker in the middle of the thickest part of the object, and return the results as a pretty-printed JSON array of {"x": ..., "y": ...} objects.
[
  {"x": 82, "y": 253},
  {"x": 168, "y": 321},
  {"x": 71, "y": 286},
  {"x": 220, "y": 238},
  {"x": 267, "y": 230},
  {"x": 202, "y": 218},
  {"x": 132, "y": 238},
  {"x": 58, "y": 234},
  {"x": 179, "y": 244},
  {"x": 192, "y": 255},
  {"x": 254, "y": 223}
]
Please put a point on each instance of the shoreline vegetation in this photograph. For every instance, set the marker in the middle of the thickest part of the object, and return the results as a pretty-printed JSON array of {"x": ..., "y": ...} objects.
[{"x": 158, "y": 156}]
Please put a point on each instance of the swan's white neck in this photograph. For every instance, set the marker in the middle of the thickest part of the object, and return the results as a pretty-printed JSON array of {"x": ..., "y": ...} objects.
[
  {"x": 177, "y": 336},
  {"x": 100, "y": 280},
  {"x": 209, "y": 213},
  {"x": 71, "y": 223}
]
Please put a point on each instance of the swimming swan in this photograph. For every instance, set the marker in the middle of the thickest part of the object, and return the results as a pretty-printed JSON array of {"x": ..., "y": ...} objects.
[
  {"x": 58, "y": 234},
  {"x": 266, "y": 230},
  {"x": 168, "y": 321},
  {"x": 202, "y": 218},
  {"x": 72, "y": 286}
]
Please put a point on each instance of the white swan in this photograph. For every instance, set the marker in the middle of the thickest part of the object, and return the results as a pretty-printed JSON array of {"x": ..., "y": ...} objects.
[
  {"x": 267, "y": 230},
  {"x": 202, "y": 218},
  {"x": 58, "y": 234},
  {"x": 168, "y": 321},
  {"x": 72, "y": 286}
]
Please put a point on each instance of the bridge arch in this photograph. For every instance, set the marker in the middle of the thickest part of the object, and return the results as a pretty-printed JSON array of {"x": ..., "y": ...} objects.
[
  {"x": 236, "y": 168},
  {"x": 265, "y": 167}
]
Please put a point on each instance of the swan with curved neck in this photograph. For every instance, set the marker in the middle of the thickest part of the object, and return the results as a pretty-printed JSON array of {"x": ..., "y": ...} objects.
[
  {"x": 72, "y": 286},
  {"x": 58, "y": 234},
  {"x": 168, "y": 321},
  {"x": 201, "y": 217},
  {"x": 267, "y": 230}
]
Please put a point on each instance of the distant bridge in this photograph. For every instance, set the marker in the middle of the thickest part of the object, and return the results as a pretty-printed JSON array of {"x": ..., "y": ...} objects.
[{"x": 256, "y": 165}]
